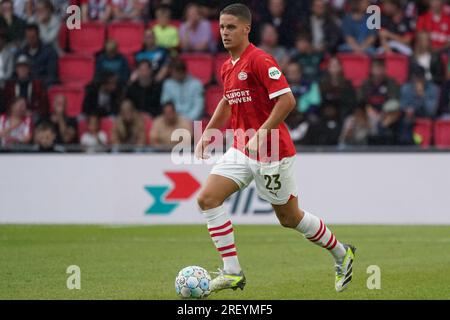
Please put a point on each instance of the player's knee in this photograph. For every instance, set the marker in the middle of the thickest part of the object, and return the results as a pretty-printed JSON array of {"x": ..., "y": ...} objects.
[{"x": 207, "y": 201}]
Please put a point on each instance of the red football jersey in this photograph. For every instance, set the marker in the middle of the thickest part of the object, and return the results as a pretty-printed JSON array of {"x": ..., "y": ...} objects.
[
  {"x": 438, "y": 27},
  {"x": 251, "y": 85}
]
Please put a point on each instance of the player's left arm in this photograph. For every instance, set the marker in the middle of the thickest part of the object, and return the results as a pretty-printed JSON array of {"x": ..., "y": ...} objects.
[
  {"x": 277, "y": 86},
  {"x": 284, "y": 105}
]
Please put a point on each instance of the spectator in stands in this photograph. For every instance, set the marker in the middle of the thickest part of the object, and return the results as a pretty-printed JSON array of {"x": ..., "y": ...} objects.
[
  {"x": 48, "y": 22},
  {"x": 94, "y": 136},
  {"x": 65, "y": 127},
  {"x": 269, "y": 43},
  {"x": 184, "y": 91},
  {"x": 45, "y": 138},
  {"x": 306, "y": 92},
  {"x": 129, "y": 128},
  {"x": 166, "y": 34},
  {"x": 96, "y": 10},
  {"x": 379, "y": 87},
  {"x": 159, "y": 57},
  {"x": 358, "y": 38},
  {"x": 358, "y": 127},
  {"x": 111, "y": 60},
  {"x": 324, "y": 30},
  {"x": 336, "y": 89},
  {"x": 23, "y": 8},
  {"x": 393, "y": 127},
  {"x": 396, "y": 32},
  {"x": 102, "y": 95},
  {"x": 279, "y": 16},
  {"x": 14, "y": 26},
  {"x": 24, "y": 86},
  {"x": 326, "y": 131},
  {"x": 419, "y": 97},
  {"x": 308, "y": 59},
  {"x": 437, "y": 22},
  {"x": 298, "y": 126},
  {"x": 427, "y": 59},
  {"x": 15, "y": 126},
  {"x": 145, "y": 91},
  {"x": 128, "y": 9},
  {"x": 43, "y": 58},
  {"x": 165, "y": 124},
  {"x": 195, "y": 32},
  {"x": 6, "y": 59}
]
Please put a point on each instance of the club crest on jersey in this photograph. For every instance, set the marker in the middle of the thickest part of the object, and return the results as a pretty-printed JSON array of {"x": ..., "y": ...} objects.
[
  {"x": 242, "y": 75},
  {"x": 274, "y": 73}
]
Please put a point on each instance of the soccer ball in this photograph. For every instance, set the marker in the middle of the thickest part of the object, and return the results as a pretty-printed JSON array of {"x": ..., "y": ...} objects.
[{"x": 193, "y": 282}]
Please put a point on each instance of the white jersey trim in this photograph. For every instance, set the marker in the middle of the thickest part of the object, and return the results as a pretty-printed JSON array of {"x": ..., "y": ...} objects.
[{"x": 279, "y": 93}]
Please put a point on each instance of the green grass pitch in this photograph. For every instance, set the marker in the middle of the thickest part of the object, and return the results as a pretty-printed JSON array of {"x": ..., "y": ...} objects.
[{"x": 141, "y": 262}]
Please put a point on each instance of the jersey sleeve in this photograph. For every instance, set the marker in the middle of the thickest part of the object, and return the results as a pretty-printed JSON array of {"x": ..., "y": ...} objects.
[{"x": 268, "y": 72}]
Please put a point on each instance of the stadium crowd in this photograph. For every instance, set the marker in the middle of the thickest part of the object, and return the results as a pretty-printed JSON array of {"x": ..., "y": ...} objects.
[{"x": 353, "y": 85}]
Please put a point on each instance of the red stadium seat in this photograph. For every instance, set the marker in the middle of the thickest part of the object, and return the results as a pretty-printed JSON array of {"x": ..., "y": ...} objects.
[
  {"x": 82, "y": 127},
  {"x": 89, "y": 39},
  {"x": 74, "y": 97},
  {"x": 76, "y": 69},
  {"x": 444, "y": 58},
  {"x": 423, "y": 129},
  {"x": 215, "y": 30},
  {"x": 131, "y": 60},
  {"x": 199, "y": 65},
  {"x": 148, "y": 126},
  {"x": 218, "y": 62},
  {"x": 397, "y": 67},
  {"x": 356, "y": 67},
  {"x": 212, "y": 98},
  {"x": 107, "y": 125},
  {"x": 442, "y": 133},
  {"x": 129, "y": 35},
  {"x": 62, "y": 37}
]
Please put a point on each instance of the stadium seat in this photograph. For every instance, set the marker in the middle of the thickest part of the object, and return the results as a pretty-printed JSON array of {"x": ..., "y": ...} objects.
[
  {"x": 442, "y": 133},
  {"x": 129, "y": 35},
  {"x": 397, "y": 67},
  {"x": 199, "y": 65},
  {"x": 423, "y": 130},
  {"x": 212, "y": 98},
  {"x": 82, "y": 127},
  {"x": 148, "y": 126},
  {"x": 76, "y": 69},
  {"x": 218, "y": 62},
  {"x": 131, "y": 61},
  {"x": 107, "y": 125},
  {"x": 74, "y": 96},
  {"x": 62, "y": 37},
  {"x": 89, "y": 39},
  {"x": 215, "y": 30},
  {"x": 356, "y": 67},
  {"x": 444, "y": 58}
]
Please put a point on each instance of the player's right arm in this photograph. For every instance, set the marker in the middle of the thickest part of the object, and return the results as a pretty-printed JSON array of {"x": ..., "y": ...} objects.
[{"x": 218, "y": 120}]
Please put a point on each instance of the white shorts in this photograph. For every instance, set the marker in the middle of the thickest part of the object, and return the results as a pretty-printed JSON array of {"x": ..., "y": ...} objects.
[{"x": 275, "y": 181}]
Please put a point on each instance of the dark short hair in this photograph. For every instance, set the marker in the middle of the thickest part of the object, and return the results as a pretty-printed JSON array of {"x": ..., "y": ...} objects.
[
  {"x": 239, "y": 10},
  {"x": 44, "y": 126},
  {"x": 179, "y": 65},
  {"x": 32, "y": 26},
  {"x": 144, "y": 61}
]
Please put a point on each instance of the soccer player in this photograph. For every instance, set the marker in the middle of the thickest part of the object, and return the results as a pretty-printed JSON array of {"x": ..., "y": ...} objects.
[{"x": 256, "y": 96}]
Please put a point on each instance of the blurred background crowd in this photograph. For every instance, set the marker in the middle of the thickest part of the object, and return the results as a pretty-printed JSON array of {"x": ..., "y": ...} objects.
[{"x": 139, "y": 69}]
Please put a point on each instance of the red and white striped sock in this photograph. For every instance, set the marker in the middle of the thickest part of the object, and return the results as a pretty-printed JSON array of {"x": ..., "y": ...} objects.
[
  {"x": 221, "y": 231},
  {"x": 315, "y": 230}
]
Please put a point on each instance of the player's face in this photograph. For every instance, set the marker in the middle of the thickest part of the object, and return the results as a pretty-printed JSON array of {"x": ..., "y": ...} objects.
[{"x": 233, "y": 31}]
